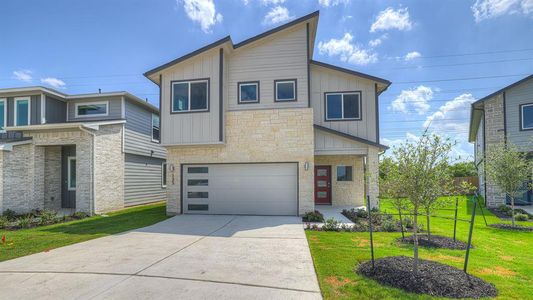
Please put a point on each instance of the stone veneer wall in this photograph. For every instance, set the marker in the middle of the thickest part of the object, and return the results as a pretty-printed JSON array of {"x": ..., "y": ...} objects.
[
  {"x": 52, "y": 177},
  {"x": 270, "y": 135},
  {"x": 372, "y": 173},
  {"x": 494, "y": 134},
  {"x": 345, "y": 193}
]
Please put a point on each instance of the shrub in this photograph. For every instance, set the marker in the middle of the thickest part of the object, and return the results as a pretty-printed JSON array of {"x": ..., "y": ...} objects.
[
  {"x": 355, "y": 214},
  {"x": 331, "y": 225},
  {"x": 521, "y": 217},
  {"x": 47, "y": 217},
  {"x": 313, "y": 216},
  {"x": 407, "y": 222},
  {"x": 521, "y": 211},
  {"x": 504, "y": 208},
  {"x": 4, "y": 221},
  {"x": 79, "y": 215},
  {"x": 25, "y": 221},
  {"x": 10, "y": 214},
  {"x": 389, "y": 225}
]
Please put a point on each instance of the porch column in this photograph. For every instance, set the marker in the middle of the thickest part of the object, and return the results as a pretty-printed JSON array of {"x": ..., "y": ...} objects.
[
  {"x": 38, "y": 178},
  {"x": 371, "y": 167}
]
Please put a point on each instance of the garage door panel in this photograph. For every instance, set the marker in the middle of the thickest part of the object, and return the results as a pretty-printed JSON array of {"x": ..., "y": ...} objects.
[{"x": 257, "y": 189}]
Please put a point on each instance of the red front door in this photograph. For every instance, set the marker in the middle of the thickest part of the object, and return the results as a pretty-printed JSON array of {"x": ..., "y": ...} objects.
[{"x": 322, "y": 184}]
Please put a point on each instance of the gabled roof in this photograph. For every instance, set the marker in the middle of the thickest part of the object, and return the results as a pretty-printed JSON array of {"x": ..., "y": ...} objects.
[
  {"x": 228, "y": 40},
  {"x": 351, "y": 137},
  {"x": 476, "y": 108}
]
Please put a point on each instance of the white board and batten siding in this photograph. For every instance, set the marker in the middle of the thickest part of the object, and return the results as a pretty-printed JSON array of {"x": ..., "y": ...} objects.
[
  {"x": 325, "y": 80},
  {"x": 514, "y": 98},
  {"x": 192, "y": 127},
  {"x": 114, "y": 109},
  {"x": 331, "y": 144},
  {"x": 281, "y": 56}
]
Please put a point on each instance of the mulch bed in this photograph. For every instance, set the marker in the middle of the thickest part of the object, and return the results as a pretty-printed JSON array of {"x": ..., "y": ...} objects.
[
  {"x": 437, "y": 241},
  {"x": 510, "y": 227},
  {"x": 433, "y": 278}
]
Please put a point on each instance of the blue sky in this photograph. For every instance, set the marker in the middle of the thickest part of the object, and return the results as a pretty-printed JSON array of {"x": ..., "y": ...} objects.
[{"x": 428, "y": 49}]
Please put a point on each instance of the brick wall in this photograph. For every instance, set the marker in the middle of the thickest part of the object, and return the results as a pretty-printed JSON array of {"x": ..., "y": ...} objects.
[
  {"x": 52, "y": 177},
  {"x": 270, "y": 135}
]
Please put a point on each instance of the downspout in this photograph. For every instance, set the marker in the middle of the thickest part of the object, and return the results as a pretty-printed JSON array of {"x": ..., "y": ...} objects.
[{"x": 92, "y": 203}]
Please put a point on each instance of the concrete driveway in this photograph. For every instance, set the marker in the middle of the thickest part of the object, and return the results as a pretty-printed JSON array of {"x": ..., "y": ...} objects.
[{"x": 186, "y": 257}]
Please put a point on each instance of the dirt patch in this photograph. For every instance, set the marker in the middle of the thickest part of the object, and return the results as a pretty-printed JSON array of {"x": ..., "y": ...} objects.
[
  {"x": 498, "y": 271},
  {"x": 507, "y": 257},
  {"x": 335, "y": 282},
  {"x": 436, "y": 241},
  {"x": 432, "y": 278},
  {"x": 511, "y": 227},
  {"x": 444, "y": 257}
]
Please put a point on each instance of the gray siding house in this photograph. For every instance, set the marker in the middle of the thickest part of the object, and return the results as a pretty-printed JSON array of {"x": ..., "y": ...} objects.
[
  {"x": 505, "y": 115},
  {"x": 259, "y": 127},
  {"x": 92, "y": 153}
]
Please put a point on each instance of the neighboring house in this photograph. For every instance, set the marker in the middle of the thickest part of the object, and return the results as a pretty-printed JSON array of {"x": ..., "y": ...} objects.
[
  {"x": 258, "y": 127},
  {"x": 91, "y": 153},
  {"x": 505, "y": 115}
]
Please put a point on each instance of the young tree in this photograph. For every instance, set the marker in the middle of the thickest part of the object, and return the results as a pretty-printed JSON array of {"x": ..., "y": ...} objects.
[
  {"x": 390, "y": 187},
  {"x": 508, "y": 169},
  {"x": 420, "y": 169}
]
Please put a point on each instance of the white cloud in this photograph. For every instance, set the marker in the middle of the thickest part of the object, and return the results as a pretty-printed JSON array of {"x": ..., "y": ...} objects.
[
  {"x": 415, "y": 99},
  {"x": 331, "y": 3},
  {"x": 23, "y": 75},
  {"x": 412, "y": 55},
  {"x": 272, "y": 2},
  {"x": 487, "y": 9},
  {"x": 454, "y": 115},
  {"x": 393, "y": 143},
  {"x": 202, "y": 12},
  {"x": 378, "y": 41},
  {"x": 53, "y": 82},
  {"x": 277, "y": 15},
  {"x": 347, "y": 50},
  {"x": 392, "y": 19}
]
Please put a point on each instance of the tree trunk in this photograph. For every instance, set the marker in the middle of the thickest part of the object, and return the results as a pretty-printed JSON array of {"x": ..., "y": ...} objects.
[
  {"x": 415, "y": 236},
  {"x": 512, "y": 210},
  {"x": 429, "y": 231}
]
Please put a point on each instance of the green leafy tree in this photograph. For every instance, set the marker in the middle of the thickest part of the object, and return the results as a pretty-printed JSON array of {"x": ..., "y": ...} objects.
[
  {"x": 421, "y": 167},
  {"x": 463, "y": 169},
  {"x": 508, "y": 169}
]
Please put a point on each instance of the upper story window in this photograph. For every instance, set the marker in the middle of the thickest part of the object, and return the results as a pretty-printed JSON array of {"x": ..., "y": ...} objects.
[
  {"x": 343, "y": 106},
  {"x": 22, "y": 111},
  {"x": 3, "y": 114},
  {"x": 92, "y": 109},
  {"x": 190, "y": 96},
  {"x": 285, "y": 90},
  {"x": 248, "y": 92},
  {"x": 155, "y": 128},
  {"x": 526, "y": 112}
]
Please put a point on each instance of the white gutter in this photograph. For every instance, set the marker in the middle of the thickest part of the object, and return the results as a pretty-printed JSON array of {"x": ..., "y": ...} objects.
[
  {"x": 90, "y": 125},
  {"x": 9, "y": 146},
  {"x": 92, "y": 203}
]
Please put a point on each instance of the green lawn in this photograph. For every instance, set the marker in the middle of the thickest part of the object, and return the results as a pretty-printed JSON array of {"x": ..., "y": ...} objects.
[
  {"x": 28, "y": 241},
  {"x": 503, "y": 258}
]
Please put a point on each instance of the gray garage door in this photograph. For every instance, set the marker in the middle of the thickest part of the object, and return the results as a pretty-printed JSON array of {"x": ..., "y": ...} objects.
[{"x": 250, "y": 189}]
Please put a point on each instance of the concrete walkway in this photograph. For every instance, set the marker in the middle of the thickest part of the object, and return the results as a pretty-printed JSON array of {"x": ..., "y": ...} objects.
[{"x": 185, "y": 257}]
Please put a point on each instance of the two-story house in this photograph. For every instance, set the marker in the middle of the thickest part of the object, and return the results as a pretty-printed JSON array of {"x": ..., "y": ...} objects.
[
  {"x": 91, "y": 153},
  {"x": 258, "y": 127},
  {"x": 505, "y": 115}
]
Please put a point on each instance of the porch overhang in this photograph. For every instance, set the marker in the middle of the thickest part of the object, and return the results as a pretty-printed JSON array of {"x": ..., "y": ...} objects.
[{"x": 73, "y": 125}]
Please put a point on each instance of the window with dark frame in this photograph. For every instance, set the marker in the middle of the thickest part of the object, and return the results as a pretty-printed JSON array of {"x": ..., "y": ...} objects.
[
  {"x": 248, "y": 92},
  {"x": 285, "y": 90},
  {"x": 92, "y": 109},
  {"x": 526, "y": 112},
  {"x": 342, "y": 106},
  {"x": 155, "y": 128},
  {"x": 190, "y": 96},
  {"x": 344, "y": 173}
]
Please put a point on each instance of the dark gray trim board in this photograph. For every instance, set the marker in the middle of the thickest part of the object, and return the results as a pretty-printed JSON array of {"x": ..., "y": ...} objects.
[
  {"x": 351, "y": 72},
  {"x": 376, "y": 95},
  {"x": 160, "y": 108},
  {"x": 221, "y": 95},
  {"x": 194, "y": 111},
  {"x": 295, "y": 90},
  {"x": 308, "y": 66},
  {"x": 351, "y": 137},
  {"x": 343, "y": 120},
  {"x": 239, "y": 92}
]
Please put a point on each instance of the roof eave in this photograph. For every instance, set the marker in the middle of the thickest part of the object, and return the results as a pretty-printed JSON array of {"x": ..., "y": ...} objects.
[
  {"x": 386, "y": 82},
  {"x": 351, "y": 137}
]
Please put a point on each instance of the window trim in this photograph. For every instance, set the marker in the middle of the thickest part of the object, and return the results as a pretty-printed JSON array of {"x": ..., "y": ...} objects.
[
  {"x": 295, "y": 88},
  {"x": 241, "y": 83},
  {"x": 69, "y": 159},
  {"x": 165, "y": 172},
  {"x": 17, "y": 99},
  {"x": 342, "y": 93},
  {"x": 3, "y": 129},
  {"x": 189, "y": 81},
  {"x": 337, "y": 173},
  {"x": 521, "y": 112},
  {"x": 152, "y": 129},
  {"x": 78, "y": 104}
]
